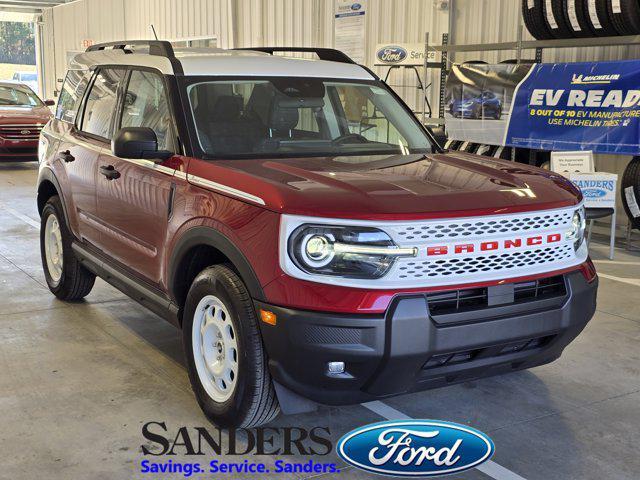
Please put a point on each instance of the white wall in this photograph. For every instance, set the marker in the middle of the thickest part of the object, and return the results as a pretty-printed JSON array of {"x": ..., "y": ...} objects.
[{"x": 240, "y": 23}]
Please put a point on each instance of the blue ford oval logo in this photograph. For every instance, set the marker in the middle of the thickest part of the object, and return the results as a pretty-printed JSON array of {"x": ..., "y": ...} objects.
[
  {"x": 391, "y": 54},
  {"x": 593, "y": 192},
  {"x": 415, "y": 448},
  {"x": 356, "y": 6}
]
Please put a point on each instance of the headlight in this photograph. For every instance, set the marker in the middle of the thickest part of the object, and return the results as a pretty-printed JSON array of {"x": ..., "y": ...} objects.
[
  {"x": 353, "y": 252},
  {"x": 577, "y": 229}
]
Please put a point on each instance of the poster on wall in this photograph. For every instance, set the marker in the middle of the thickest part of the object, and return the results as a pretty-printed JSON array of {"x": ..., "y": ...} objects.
[
  {"x": 562, "y": 106},
  {"x": 478, "y": 100},
  {"x": 349, "y": 28}
]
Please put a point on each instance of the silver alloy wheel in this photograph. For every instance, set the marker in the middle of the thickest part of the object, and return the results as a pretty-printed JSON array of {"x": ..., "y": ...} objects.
[
  {"x": 53, "y": 248},
  {"x": 215, "y": 348}
]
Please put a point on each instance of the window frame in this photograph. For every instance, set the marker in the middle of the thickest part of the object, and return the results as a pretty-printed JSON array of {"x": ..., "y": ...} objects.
[
  {"x": 83, "y": 106},
  {"x": 80, "y": 109},
  {"x": 177, "y": 144}
]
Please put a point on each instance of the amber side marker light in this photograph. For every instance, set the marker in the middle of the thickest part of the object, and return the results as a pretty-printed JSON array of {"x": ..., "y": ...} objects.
[{"x": 268, "y": 317}]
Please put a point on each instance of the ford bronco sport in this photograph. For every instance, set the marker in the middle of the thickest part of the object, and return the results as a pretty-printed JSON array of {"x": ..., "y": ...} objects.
[{"x": 294, "y": 219}]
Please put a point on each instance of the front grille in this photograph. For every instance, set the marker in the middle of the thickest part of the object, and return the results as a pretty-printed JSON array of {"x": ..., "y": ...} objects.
[
  {"x": 459, "y": 301},
  {"x": 456, "y": 358},
  {"x": 513, "y": 224},
  {"x": 486, "y": 263},
  {"x": 481, "y": 249},
  {"x": 20, "y": 132}
]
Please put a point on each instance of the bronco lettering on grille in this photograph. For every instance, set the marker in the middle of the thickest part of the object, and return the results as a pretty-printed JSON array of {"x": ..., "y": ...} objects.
[{"x": 494, "y": 245}]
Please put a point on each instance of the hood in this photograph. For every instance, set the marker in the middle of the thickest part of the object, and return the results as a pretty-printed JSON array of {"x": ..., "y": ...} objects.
[
  {"x": 26, "y": 115},
  {"x": 394, "y": 187}
]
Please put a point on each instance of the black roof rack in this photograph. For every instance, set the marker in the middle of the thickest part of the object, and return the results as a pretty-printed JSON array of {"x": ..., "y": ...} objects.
[
  {"x": 329, "y": 54},
  {"x": 161, "y": 48}
]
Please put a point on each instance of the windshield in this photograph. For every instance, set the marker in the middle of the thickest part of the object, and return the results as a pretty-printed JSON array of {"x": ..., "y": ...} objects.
[
  {"x": 29, "y": 77},
  {"x": 18, "y": 96},
  {"x": 287, "y": 117}
]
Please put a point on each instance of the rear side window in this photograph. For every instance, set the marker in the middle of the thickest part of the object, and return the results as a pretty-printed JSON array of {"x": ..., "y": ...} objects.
[
  {"x": 146, "y": 105},
  {"x": 101, "y": 103},
  {"x": 72, "y": 92}
]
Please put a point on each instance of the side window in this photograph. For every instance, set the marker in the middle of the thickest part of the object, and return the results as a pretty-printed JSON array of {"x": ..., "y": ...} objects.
[
  {"x": 101, "y": 103},
  {"x": 146, "y": 105},
  {"x": 72, "y": 92}
]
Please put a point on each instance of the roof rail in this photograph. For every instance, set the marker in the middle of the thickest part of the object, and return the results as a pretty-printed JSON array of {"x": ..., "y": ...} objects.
[
  {"x": 161, "y": 48},
  {"x": 329, "y": 54}
]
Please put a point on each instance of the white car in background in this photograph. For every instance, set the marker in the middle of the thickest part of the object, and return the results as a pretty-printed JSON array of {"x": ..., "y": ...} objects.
[{"x": 27, "y": 78}]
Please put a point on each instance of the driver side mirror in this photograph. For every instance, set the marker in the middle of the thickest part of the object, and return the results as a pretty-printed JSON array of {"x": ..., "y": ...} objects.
[
  {"x": 49, "y": 103},
  {"x": 138, "y": 142}
]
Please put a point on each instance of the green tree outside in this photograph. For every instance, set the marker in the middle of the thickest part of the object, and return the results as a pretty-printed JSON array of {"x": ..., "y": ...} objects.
[{"x": 17, "y": 43}]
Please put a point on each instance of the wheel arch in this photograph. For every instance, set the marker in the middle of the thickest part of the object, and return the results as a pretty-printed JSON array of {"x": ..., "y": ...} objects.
[
  {"x": 48, "y": 186},
  {"x": 200, "y": 247}
]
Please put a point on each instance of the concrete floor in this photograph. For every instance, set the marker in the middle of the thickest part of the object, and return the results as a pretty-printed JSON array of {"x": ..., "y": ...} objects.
[{"x": 77, "y": 381}]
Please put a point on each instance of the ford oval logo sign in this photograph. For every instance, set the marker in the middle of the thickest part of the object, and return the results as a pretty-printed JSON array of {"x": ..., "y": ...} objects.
[
  {"x": 356, "y": 6},
  {"x": 391, "y": 54},
  {"x": 415, "y": 448},
  {"x": 593, "y": 193}
]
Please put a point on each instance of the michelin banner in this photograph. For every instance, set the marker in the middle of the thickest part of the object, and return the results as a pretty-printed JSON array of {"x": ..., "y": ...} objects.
[{"x": 562, "y": 106}]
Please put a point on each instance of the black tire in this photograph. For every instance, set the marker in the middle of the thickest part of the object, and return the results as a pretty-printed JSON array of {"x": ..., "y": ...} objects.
[
  {"x": 557, "y": 22},
  {"x": 75, "y": 281},
  {"x": 534, "y": 20},
  {"x": 631, "y": 179},
  {"x": 627, "y": 20},
  {"x": 601, "y": 12},
  {"x": 506, "y": 153},
  {"x": 577, "y": 14},
  {"x": 253, "y": 401}
]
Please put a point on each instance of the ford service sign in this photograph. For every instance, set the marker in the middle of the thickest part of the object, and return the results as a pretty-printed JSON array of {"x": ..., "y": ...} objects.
[
  {"x": 391, "y": 54},
  {"x": 415, "y": 448}
]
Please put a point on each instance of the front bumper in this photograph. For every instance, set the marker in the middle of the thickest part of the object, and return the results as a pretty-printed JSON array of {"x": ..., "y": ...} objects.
[
  {"x": 407, "y": 349},
  {"x": 16, "y": 151}
]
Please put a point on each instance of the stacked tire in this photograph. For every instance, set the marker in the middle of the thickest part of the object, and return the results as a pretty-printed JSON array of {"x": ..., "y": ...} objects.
[
  {"x": 631, "y": 192},
  {"x": 549, "y": 19}
]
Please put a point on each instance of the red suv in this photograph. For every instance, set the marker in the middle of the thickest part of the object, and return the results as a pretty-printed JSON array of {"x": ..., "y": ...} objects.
[
  {"x": 22, "y": 116},
  {"x": 306, "y": 233}
]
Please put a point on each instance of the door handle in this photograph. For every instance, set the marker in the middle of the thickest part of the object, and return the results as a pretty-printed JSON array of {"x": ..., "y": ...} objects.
[
  {"x": 110, "y": 172},
  {"x": 66, "y": 156}
]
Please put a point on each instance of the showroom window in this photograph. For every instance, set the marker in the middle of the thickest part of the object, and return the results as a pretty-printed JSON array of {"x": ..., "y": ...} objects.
[
  {"x": 101, "y": 103},
  {"x": 146, "y": 105},
  {"x": 72, "y": 92}
]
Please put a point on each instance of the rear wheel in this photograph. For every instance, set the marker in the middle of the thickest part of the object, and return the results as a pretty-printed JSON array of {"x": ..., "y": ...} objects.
[
  {"x": 66, "y": 277},
  {"x": 225, "y": 356}
]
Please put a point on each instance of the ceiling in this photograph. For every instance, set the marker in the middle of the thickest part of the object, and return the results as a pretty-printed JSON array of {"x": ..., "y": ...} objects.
[{"x": 28, "y": 6}]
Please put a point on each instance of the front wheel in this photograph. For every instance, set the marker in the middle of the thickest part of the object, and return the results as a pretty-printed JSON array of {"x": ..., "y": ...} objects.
[{"x": 225, "y": 357}]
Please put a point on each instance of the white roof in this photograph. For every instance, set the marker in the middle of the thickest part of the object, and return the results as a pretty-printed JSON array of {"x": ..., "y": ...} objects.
[{"x": 219, "y": 62}]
